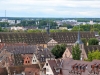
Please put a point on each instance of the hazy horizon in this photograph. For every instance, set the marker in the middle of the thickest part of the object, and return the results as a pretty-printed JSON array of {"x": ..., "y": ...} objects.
[{"x": 50, "y": 8}]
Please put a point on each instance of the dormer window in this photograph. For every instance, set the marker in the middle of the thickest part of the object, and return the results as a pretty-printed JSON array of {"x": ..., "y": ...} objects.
[
  {"x": 46, "y": 64},
  {"x": 57, "y": 69},
  {"x": 42, "y": 55}
]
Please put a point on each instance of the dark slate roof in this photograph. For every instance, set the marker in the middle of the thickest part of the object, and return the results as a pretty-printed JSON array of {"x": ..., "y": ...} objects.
[
  {"x": 15, "y": 49},
  {"x": 42, "y": 54},
  {"x": 22, "y": 37},
  {"x": 69, "y": 37},
  {"x": 42, "y": 38},
  {"x": 18, "y": 59},
  {"x": 91, "y": 48}
]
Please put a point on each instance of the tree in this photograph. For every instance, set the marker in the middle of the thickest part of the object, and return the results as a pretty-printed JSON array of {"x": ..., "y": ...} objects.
[
  {"x": 76, "y": 52},
  {"x": 58, "y": 50},
  {"x": 93, "y": 41},
  {"x": 94, "y": 55},
  {"x": 84, "y": 40}
]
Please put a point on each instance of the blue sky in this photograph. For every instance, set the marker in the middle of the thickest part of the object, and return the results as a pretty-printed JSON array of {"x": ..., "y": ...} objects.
[{"x": 50, "y": 8}]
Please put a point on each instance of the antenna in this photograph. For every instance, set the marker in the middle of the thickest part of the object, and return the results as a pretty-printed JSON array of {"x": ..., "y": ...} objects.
[
  {"x": 5, "y": 18},
  {"x": 5, "y": 14}
]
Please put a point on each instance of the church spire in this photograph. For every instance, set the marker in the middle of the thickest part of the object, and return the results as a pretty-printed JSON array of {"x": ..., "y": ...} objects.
[
  {"x": 78, "y": 37},
  {"x": 48, "y": 28}
]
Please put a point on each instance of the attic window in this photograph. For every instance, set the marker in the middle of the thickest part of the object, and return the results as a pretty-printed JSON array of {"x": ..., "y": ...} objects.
[
  {"x": 42, "y": 55},
  {"x": 46, "y": 64}
]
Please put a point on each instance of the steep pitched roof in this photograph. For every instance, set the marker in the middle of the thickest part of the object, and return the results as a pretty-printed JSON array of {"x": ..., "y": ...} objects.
[
  {"x": 3, "y": 71},
  {"x": 20, "y": 69},
  {"x": 42, "y": 38},
  {"x": 70, "y": 37},
  {"x": 43, "y": 54},
  {"x": 91, "y": 48},
  {"x": 53, "y": 64},
  {"x": 29, "y": 49},
  {"x": 32, "y": 69}
]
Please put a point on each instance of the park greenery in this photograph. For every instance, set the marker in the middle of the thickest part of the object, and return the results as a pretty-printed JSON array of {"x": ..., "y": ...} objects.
[
  {"x": 76, "y": 52},
  {"x": 58, "y": 50}
]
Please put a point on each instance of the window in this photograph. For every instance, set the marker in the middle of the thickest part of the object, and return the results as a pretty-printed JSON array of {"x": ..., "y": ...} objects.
[
  {"x": 33, "y": 60},
  {"x": 28, "y": 61},
  {"x": 46, "y": 64},
  {"x": 42, "y": 55},
  {"x": 47, "y": 69}
]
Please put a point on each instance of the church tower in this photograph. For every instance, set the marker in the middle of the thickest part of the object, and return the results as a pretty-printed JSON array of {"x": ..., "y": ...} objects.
[
  {"x": 81, "y": 45},
  {"x": 48, "y": 28}
]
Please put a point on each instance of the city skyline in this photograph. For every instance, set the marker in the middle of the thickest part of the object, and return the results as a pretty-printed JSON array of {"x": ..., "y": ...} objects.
[{"x": 50, "y": 8}]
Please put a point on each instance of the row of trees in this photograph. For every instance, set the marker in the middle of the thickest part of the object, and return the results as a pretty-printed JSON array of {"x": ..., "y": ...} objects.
[
  {"x": 41, "y": 24},
  {"x": 87, "y": 27},
  {"x": 44, "y": 30},
  {"x": 91, "y": 41}
]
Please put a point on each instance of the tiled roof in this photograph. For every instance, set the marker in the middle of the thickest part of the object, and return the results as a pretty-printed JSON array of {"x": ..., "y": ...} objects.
[
  {"x": 18, "y": 59},
  {"x": 42, "y": 38},
  {"x": 53, "y": 64},
  {"x": 73, "y": 67},
  {"x": 20, "y": 69},
  {"x": 42, "y": 54},
  {"x": 91, "y": 48},
  {"x": 32, "y": 69},
  {"x": 16, "y": 69},
  {"x": 29, "y": 49},
  {"x": 71, "y": 37},
  {"x": 3, "y": 71}
]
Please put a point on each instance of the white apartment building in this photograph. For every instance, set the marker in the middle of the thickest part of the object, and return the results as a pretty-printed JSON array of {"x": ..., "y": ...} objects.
[{"x": 17, "y": 28}]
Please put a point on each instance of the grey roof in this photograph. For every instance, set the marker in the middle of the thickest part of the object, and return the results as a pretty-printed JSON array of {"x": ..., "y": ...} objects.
[
  {"x": 42, "y": 54},
  {"x": 28, "y": 49}
]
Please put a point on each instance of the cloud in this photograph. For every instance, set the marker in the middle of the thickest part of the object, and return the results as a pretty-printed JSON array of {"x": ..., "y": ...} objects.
[{"x": 50, "y": 8}]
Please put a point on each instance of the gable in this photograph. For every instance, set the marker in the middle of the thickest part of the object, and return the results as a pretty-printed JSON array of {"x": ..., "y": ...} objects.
[
  {"x": 52, "y": 41},
  {"x": 27, "y": 58},
  {"x": 34, "y": 59},
  {"x": 48, "y": 68},
  {"x": 67, "y": 53}
]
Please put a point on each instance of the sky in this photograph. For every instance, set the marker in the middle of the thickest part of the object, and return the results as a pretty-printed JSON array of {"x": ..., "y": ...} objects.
[{"x": 50, "y": 8}]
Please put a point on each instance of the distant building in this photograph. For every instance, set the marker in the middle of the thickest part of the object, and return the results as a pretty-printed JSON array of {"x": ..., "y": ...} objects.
[
  {"x": 17, "y": 28},
  {"x": 91, "y": 22},
  {"x": 4, "y": 20},
  {"x": 18, "y": 21},
  {"x": 11, "y": 22},
  {"x": 62, "y": 28}
]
